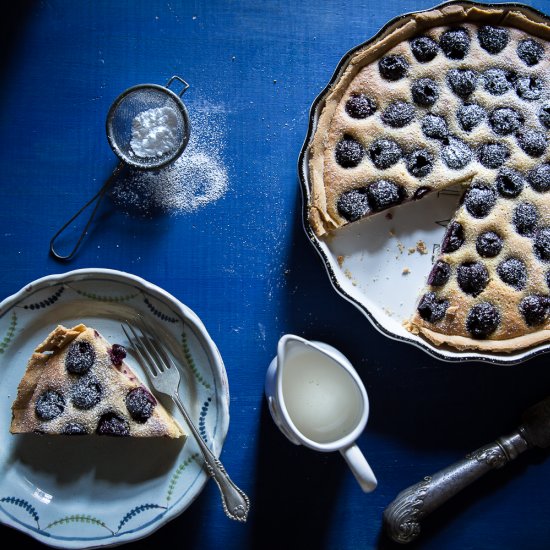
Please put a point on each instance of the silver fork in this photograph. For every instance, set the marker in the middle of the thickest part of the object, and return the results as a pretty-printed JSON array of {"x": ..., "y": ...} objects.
[{"x": 165, "y": 378}]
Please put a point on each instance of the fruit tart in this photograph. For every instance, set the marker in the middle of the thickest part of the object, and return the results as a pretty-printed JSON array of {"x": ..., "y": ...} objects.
[
  {"x": 76, "y": 383},
  {"x": 458, "y": 95}
]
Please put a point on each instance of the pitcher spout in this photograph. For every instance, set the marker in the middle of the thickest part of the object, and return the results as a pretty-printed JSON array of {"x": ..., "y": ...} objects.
[{"x": 289, "y": 344}]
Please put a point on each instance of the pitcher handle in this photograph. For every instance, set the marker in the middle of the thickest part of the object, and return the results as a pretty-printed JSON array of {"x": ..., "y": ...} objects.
[{"x": 360, "y": 467}]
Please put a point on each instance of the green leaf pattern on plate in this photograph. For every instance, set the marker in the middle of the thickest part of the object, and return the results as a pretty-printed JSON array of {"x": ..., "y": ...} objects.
[
  {"x": 79, "y": 518},
  {"x": 176, "y": 475},
  {"x": 99, "y": 298},
  {"x": 190, "y": 362}
]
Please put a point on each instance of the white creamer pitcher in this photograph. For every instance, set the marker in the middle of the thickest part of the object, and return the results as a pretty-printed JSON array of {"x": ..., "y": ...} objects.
[{"x": 317, "y": 399}]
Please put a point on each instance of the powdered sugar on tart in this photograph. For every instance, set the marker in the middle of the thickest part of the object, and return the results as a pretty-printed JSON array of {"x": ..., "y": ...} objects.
[{"x": 76, "y": 383}]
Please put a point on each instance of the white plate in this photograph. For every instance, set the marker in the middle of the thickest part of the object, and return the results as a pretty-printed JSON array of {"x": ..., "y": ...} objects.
[
  {"x": 98, "y": 491},
  {"x": 369, "y": 263}
]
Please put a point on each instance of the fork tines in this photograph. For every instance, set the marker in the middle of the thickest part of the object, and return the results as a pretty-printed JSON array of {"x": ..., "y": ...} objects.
[{"x": 146, "y": 345}]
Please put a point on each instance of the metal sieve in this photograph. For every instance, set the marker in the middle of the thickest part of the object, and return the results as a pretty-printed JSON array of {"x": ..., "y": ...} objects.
[
  {"x": 120, "y": 126},
  {"x": 140, "y": 99}
]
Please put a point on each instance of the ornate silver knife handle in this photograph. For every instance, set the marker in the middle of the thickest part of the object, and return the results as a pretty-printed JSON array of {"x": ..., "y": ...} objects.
[{"x": 402, "y": 517}]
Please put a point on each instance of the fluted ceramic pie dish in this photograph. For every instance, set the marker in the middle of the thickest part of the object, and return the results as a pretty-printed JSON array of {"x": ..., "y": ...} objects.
[{"x": 381, "y": 262}]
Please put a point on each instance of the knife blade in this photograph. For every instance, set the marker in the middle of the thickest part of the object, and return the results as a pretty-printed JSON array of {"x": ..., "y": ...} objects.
[{"x": 403, "y": 515}]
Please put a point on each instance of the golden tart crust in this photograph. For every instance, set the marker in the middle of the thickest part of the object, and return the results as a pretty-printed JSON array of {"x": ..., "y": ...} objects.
[{"x": 329, "y": 180}]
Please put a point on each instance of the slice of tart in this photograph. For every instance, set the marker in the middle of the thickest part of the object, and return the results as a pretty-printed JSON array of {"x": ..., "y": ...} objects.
[
  {"x": 76, "y": 383},
  {"x": 458, "y": 95}
]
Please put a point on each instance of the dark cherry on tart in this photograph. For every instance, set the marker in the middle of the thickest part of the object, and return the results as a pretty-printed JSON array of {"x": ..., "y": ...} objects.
[
  {"x": 84, "y": 387},
  {"x": 452, "y": 97}
]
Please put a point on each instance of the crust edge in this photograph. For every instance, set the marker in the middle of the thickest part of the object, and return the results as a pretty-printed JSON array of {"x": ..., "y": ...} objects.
[
  {"x": 462, "y": 343},
  {"x": 54, "y": 342}
]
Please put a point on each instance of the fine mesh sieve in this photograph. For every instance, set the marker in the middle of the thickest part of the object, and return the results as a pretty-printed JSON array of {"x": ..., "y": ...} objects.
[
  {"x": 129, "y": 106},
  {"x": 140, "y": 99}
]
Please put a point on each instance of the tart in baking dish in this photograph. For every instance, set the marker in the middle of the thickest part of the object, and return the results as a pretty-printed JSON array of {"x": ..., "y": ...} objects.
[
  {"x": 458, "y": 95},
  {"x": 76, "y": 383}
]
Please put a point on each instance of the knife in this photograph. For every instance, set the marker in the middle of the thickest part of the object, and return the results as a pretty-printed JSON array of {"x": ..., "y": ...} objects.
[{"x": 402, "y": 517}]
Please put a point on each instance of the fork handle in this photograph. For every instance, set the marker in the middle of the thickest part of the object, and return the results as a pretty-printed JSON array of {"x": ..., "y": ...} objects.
[{"x": 236, "y": 504}]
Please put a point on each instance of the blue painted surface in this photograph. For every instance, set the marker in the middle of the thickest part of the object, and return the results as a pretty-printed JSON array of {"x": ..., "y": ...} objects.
[{"x": 244, "y": 265}]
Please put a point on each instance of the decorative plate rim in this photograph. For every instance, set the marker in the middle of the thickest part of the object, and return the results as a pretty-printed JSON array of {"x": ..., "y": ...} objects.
[
  {"x": 303, "y": 177},
  {"x": 222, "y": 392}
]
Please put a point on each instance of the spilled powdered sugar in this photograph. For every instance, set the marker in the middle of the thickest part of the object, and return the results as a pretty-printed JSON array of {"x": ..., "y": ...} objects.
[{"x": 197, "y": 178}]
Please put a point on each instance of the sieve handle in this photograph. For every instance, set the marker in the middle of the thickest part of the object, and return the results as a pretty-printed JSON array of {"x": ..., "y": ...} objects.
[
  {"x": 179, "y": 79},
  {"x": 97, "y": 198}
]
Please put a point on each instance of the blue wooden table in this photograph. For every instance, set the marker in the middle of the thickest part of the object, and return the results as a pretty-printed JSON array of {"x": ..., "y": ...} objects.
[{"x": 243, "y": 264}]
